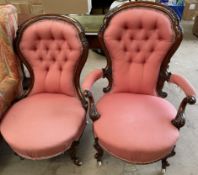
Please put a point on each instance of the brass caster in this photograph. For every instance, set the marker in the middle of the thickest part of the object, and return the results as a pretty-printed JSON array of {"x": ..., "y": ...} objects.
[
  {"x": 99, "y": 163},
  {"x": 163, "y": 171},
  {"x": 77, "y": 162}
]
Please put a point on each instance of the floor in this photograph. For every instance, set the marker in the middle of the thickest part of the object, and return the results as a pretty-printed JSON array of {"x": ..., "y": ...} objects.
[{"x": 185, "y": 162}]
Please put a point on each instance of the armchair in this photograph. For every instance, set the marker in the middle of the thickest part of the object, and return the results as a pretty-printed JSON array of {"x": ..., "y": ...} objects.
[
  {"x": 9, "y": 68},
  {"x": 132, "y": 121},
  {"x": 50, "y": 118}
]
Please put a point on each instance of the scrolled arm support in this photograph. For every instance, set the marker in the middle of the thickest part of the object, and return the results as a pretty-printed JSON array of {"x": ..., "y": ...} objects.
[
  {"x": 93, "y": 113},
  {"x": 179, "y": 120},
  {"x": 190, "y": 98},
  {"x": 87, "y": 86}
]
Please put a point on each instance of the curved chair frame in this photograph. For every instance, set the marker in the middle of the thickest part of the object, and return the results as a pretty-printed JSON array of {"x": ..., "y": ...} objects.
[
  {"x": 164, "y": 75},
  {"x": 79, "y": 65}
]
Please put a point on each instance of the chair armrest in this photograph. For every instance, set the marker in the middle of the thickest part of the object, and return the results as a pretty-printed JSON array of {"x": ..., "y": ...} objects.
[
  {"x": 93, "y": 113},
  {"x": 190, "y": 98},
  {"x": 87, "y": 86},
  {"x": 183, "y": 83},
  {"x": 8, "y": 92},
  {"x": 91, "y": 79}
]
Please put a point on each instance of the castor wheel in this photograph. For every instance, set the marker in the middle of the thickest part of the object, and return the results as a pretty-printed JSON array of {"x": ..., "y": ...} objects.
[
  {"x": 99, "y": 163},
  {"x": 163, "y": 171},
  {"x": 77, "y": 162}
]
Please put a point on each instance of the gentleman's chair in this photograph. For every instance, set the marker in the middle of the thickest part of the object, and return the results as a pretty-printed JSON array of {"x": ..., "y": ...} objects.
[
  {"x": 131, "y": 120},
  {"x": 9, "y": 68},
  {"x": 50, "y": 118}
]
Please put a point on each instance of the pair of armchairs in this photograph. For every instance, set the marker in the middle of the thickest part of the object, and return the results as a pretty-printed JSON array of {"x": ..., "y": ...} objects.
[{"x": 131, "y": 120}]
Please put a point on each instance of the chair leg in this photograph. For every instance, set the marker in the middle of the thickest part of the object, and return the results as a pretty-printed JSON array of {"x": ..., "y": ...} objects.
[
  {"x": 165, "y": 162},
  {"x": 21, "y": 158},
  {"x": 99, "y": 153},
  {"x": 72, "y": 152}
]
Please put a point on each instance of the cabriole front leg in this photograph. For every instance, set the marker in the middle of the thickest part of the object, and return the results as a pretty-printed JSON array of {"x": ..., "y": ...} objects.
[
  {"x": 99, "y": 153},
  {"x": 72, "y": 152},
  {"x": 165, "y": 163}
]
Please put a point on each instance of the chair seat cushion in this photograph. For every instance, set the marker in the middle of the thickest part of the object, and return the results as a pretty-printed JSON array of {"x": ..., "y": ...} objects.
[
  {"x": 43, "y": 125},
  {"x": 136, "y": 128}
]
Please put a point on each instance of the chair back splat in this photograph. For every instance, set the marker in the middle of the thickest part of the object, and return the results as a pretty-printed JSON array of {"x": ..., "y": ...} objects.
[
  {"x": 139, "y": 40},
  {"x": 51, "y": 48}
]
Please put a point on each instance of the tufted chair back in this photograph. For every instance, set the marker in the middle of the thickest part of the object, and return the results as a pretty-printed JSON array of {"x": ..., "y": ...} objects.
[
  {"x": 52, "y": 47},
  {"x": 137, "y": 40}
]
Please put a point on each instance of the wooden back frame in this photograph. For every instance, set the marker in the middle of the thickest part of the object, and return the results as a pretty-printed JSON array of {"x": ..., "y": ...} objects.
[
  {"x": 79, "y": 64},
  {"x": 163, "y": 74}
]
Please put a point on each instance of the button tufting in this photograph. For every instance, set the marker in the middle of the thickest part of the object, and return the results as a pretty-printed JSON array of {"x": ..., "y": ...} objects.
[
  {"x": 143, "y": 61},
  {"x": 52, "y": 37},
  {"x": 160, "y": 37},
  {"x": 40, "y": 59},
  {"x": 119, "y": 38},
  {"x": 53, "y": 59},
  {"x": 38, "y": 37},
  {"x": 130, "y": 60},
  {"x": 140, "y": 26},
  {"x": 62, "y": 37},
  {"x": 125, "y": 49},
  {"x": 152, "y": 49},
  {"x": 65, "y": 59},
  {"x": 59, "y": 48},
  {"x": 126, "y": 27},
  {"x": 155, "y": 26},
  {"x": 137, "y": 49},
  {"x": 146, "y": 37},
  {"x": 34, "y": 48},
  {"x": 131, "y": 38},
  {"x": 60, "y": 68},
  {"x": 47, "y": 68}
]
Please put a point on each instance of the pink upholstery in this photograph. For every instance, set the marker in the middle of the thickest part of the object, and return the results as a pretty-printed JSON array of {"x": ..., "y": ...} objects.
[
  {"x": 43, "y": 125},
  {"x": 136, "y": 128},
  {"x": 52, "y": 48},
  {"x": 137, "y": 40},
  {"x": 183, "y": 83},
  {"x": 91, "y": 79}
]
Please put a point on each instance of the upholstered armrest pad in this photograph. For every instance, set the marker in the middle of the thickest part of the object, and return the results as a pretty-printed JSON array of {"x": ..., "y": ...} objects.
[
  {"x": 91, "y": 78},
  {"x": 183, "y": 83},
  {"x": 8, "y": 91}
]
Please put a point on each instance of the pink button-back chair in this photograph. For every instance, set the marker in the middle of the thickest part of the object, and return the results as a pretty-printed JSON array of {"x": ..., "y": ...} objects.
[
  {"x": 9, "y": 67},
  {"x": 50, "y": 118},
  {"x": 131, "y": 120}
]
